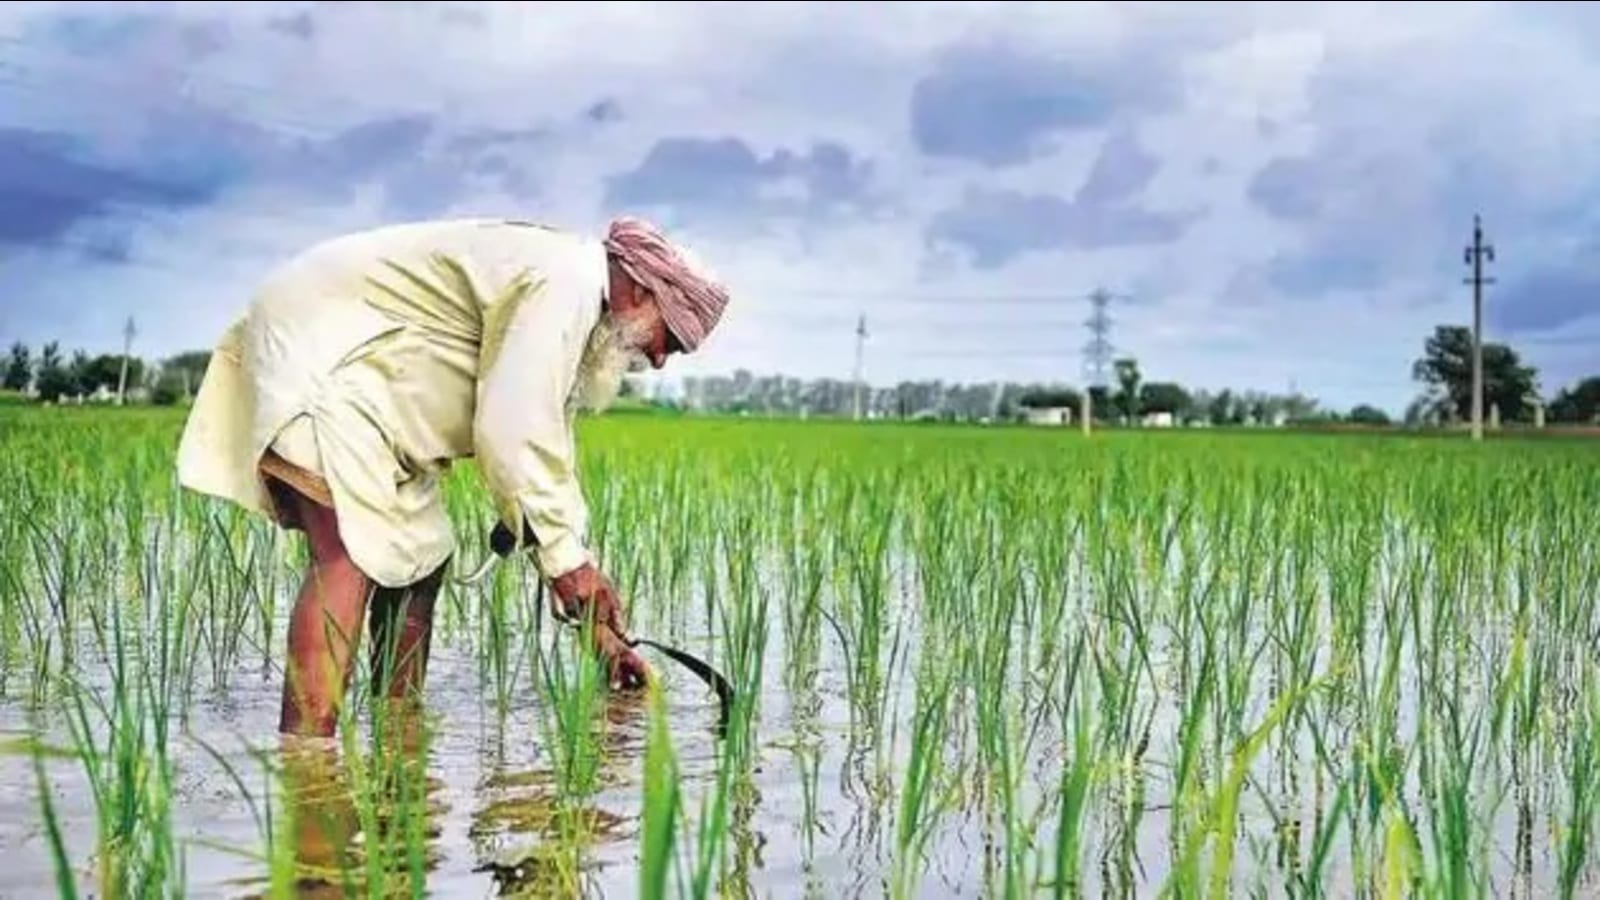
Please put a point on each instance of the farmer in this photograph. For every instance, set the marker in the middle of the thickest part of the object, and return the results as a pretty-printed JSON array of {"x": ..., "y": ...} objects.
[{"x": 367, "y": 364}]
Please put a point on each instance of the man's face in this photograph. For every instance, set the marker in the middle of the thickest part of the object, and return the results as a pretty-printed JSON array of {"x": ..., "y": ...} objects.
[
  {"x": 635, "y": 310},
  {"x": 631, "y": 336}
]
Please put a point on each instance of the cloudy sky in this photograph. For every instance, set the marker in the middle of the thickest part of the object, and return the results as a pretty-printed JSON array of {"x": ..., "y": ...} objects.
[{"x": 1277, "y": 194}]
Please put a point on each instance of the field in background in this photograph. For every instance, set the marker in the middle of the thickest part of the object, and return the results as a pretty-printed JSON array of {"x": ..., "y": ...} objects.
[{"x": 974, "y": 661}]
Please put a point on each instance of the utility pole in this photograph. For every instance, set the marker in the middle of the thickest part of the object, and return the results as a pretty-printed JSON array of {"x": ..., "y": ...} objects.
[
  {"x": 1475, "y": 255},
  {"x": 128, "y": 331},
  {"x": 861, "y": 338}
]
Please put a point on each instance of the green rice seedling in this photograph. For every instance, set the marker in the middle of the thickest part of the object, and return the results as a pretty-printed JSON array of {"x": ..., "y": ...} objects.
[
  {"x": 572, "y": 693},
  {"x": 1221, "y": 819},
  {"x": 497, "y": 667},
  {"x": 803, "y": 549},
  {"x": 662, "y": 805},
  {"x": 1581, "y": 804},
  {"x": 128, "y": 772},
  {"x": 926, "y": 790},
  {"x": 1077, "y": 780},
  {"x": 66, "y": 884},
  {"x": 808, "y": 761}
]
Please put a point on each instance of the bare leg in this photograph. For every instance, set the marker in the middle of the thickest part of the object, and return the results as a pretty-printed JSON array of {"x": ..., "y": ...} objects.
[
  {"x": 402, "y": 629},
  {"x": 324, "y": 628}
]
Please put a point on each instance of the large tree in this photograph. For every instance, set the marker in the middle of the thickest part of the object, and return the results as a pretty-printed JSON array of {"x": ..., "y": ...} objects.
[
  {"x": 1164, "y": 396},
  {"x": 180, "y": 376},
  {"x": 1364, "y": 414},
  {"x": 1446, "y": 365},
  {"x": 1225, "y": 409},
  {"x": 54, "y": 380},
  {"x": 105, "y": 371},
  {"x": 85, "y": 373},
  {"x": 1578, "y": 403},
  {"x": 19, "y": 368}
]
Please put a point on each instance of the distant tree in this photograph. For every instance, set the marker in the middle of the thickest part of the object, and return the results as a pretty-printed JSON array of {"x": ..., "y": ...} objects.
[
  {"x": 1128, "y": 387},
  {"x": 1260, "y": 410},
  {"x": 167, "y": 389},
  {"x": 1041, "y": 398},
  {"x": 1164, "y": 396},
  {"x": 1300, "y": 408},
  {"x": 19, "y": 368},
  {"x": 78, "y": 372},
  {"x": 1221, "y": 410},
  {"x": 53, "y": 380},
  {"x": 1578, "y": 403},
  {"x": 1446, "y": 365},
  {"x": 1432, "y": 407},
  {"x": 179, "y": 377},
  {"x": 1368, "y": 415},
  {"x": 1100, "y": 406},
  {"x": 104, "y": 371}
]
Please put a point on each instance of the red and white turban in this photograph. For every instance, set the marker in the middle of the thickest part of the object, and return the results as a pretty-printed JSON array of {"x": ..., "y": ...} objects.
[{"x": 691, "y": 299}]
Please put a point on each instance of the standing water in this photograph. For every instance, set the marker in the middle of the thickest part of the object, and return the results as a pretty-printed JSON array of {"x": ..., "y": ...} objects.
[{"x": 968, "y": 662}]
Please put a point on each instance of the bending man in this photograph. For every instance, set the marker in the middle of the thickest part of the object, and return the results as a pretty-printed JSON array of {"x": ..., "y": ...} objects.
[{"x": 367, "y": 364}]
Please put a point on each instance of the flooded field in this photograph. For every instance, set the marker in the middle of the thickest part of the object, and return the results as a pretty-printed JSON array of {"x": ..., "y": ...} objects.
[{"x": 967, "y": 662}]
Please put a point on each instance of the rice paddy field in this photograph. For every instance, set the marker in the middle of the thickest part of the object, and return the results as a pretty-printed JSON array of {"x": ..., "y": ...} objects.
[{"x": 985, "y": 662}]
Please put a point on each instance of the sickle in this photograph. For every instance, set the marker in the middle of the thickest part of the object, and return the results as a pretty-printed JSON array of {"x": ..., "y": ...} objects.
[
  {"x": 699, "y": 667},
  {"x": 502, "y": 544}
]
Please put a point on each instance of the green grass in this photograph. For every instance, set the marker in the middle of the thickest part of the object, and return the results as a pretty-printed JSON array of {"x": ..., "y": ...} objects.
[{"x": 1003, "y": 661}]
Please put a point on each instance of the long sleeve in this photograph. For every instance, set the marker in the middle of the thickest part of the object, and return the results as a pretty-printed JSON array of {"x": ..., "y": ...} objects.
[{"x": 532, "y": 343}]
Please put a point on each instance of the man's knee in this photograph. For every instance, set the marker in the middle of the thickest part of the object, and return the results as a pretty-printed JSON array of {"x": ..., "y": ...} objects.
[
  {"x": 321, "y": 525},
  {"x": 414, "y": 601}
]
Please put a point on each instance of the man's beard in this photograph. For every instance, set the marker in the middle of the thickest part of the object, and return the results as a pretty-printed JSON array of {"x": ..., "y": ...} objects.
[{"x": 611, "y": 352}]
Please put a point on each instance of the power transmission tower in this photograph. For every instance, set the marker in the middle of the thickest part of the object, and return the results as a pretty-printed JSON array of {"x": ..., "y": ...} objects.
[
  {"x": 861, "y": 338},
  {"x": 1475, "y": 255},
  {"x": 128, "y": 331},
  {"x": 1097, "y": 352}
]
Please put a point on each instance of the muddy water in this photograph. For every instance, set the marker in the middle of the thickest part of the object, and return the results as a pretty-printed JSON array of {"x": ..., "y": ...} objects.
[
  {"x": 490, "y": 789},
  {"x": 490, "y": 821}
]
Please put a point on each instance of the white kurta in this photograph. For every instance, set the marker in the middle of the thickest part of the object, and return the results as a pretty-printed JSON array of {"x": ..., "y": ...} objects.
[{"x": 377, "y": 358}]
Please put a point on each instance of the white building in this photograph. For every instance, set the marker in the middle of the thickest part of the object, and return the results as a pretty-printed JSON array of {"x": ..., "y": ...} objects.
[{"x": 1048, "y": 415}]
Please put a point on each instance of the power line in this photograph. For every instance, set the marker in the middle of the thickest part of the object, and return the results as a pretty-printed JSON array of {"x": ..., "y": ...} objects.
[{"x": 1577, "y": 340}]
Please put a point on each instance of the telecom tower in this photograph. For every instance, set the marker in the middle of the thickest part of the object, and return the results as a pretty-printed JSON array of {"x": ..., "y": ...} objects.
[{"x": 1097, "y": 352}]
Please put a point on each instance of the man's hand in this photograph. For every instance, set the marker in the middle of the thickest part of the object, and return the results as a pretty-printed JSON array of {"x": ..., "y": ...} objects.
[
  {"x": 626, "y": 667},
  {"x": 584, "y": 590}
]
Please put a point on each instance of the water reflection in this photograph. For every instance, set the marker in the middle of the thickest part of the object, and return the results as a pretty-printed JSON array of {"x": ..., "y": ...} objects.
[
  {"x": 369, "y": 827},
  {"x": 535, "y": 839}
]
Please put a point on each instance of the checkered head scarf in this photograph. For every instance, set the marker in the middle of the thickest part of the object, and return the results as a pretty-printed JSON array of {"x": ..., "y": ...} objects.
[{"x": 690, "y": 297}]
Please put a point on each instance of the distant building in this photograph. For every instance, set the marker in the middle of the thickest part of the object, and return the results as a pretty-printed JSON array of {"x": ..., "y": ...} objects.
[
  {"x": 1048, "y": 415},
  {"x": 1157, "y": 420}
]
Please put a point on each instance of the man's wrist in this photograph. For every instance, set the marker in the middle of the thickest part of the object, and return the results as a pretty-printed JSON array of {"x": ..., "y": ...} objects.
[{"x": 562, "y": 557}]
